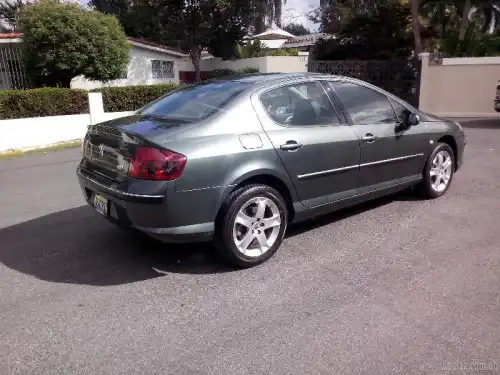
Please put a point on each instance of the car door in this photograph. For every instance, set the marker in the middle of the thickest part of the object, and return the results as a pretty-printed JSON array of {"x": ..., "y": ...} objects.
[
  {"x": 316, "y": 145},
  {"x": 390, "y": 153}
]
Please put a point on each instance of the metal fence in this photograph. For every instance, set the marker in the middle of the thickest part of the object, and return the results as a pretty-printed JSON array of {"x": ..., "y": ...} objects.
[
  {"x": 12, "y": 72},
  {"x": 401, "y": 78}
]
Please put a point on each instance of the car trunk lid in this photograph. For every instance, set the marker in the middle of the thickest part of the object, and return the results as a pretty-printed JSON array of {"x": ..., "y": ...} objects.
[{"x": 109, "y": 147}]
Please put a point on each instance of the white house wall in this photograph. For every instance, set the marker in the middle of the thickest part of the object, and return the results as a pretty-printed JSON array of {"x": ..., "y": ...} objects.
[
  {"x": 139, "y": 70},
  {"x": 269, "y": 64}
]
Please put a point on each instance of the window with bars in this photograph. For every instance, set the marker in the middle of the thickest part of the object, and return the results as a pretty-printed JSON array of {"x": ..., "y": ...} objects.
[{"x": 162, "y": 69}]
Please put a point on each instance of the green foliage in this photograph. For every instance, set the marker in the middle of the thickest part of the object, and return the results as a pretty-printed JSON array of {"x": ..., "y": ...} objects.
[
  {"x": 131, "y": 98},
  {"x": 220, "y": 73},
  {"x": 192, "y": 25},
  {"x": 42, "y": 102},
  {"x": 62, "y": 41},
  {"x": 296, "y": 29},
  {"x": 384, "y": 33},
  {"x": 283, "y": 52},
  {"x": 255, "y": 48},
  {"x": 475, "y": 44}
]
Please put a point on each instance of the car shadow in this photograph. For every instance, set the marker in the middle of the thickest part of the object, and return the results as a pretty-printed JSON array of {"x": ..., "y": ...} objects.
[
  {"x": 76, "y": 246},
  {"x": 345, "y": 213}
]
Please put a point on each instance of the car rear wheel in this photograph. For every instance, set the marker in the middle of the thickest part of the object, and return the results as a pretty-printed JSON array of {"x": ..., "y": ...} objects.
[
  {"x": 252, "y": 225},
  {"x": 438, "y": 172}
]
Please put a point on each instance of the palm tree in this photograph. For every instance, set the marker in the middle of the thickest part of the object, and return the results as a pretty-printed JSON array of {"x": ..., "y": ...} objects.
[{"x": 267, "y": 10}]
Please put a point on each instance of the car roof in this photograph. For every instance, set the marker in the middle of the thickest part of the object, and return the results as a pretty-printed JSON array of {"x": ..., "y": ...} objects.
[{"x": 259, "y": 79}]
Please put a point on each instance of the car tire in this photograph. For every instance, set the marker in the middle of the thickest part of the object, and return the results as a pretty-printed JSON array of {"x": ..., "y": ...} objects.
[
  {"x": 440, "y": 166},
  {"x": 251, "y": 225}
]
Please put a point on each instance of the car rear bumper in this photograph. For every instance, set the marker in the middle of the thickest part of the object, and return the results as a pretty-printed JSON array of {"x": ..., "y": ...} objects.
[{"x": 152, "y": 214}]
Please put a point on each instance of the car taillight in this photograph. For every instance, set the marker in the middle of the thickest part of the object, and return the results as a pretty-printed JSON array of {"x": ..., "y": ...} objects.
[{"x": 152, "y": 164}]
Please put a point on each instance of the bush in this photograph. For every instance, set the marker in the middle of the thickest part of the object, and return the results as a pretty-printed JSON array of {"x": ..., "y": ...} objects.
[
  {"x": 42, "y": 102},
  {"x": 220, "y": 73},
  {"x": 475, "y": 44},
  {"x": 131, "y": 98},
  {"x": 62, "y": 40}
]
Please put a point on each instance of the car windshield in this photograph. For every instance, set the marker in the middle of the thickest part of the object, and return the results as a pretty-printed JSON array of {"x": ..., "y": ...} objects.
[{"x": 195, "y": 103}]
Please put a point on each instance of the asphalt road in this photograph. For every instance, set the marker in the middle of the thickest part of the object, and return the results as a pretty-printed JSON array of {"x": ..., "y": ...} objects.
[{"x": 396, "y": 286}]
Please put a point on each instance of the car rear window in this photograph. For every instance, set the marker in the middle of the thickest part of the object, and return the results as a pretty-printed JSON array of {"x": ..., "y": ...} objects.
[{"x": 196, "y": 102}]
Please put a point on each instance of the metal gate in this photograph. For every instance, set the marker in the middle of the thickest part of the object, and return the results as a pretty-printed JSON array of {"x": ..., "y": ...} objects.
[
  {"x": 401, "y": 78},
  {"x": 12, "y": 72}
]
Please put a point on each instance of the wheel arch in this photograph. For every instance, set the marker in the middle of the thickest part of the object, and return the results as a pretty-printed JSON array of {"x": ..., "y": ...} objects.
[
  {"x": 280, "y": 183},
  {"x": 450, "y": 141}
]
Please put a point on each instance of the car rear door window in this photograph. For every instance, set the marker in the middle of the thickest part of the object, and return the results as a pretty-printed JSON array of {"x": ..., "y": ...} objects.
[
  {"x": 364, "y": 105},
  {"x": 301, "y": 104}
]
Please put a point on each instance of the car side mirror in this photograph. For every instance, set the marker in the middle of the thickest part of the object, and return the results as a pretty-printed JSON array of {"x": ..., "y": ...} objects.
[{"x": 413, "y": 119}]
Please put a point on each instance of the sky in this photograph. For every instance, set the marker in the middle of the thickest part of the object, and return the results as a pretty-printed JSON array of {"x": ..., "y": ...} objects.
[{"x": 296, "y": 11}]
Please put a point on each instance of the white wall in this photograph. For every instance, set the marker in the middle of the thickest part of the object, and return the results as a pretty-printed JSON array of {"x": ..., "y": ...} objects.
[
  {"x": 268, "y": 64},
  {"x": 35, "y": 132},
  {"x": 139, "y": 70}
]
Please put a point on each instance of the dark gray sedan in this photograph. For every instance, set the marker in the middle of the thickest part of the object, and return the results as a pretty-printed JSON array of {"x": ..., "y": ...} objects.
[{"x": 236, "y": 161}]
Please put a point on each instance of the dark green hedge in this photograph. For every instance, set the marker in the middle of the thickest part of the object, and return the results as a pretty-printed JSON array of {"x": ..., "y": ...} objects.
[
  {"x": 131, "y": 98},
  {"x": 42, "y": 102},
  {"x": 220, "y": 73}
]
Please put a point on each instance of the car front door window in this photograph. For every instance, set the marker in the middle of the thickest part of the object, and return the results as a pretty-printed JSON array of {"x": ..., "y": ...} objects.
[{"x": 364, "y": 105}]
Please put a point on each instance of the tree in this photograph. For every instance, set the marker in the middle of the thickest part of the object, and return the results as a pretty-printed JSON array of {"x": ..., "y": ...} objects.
[
  {"x": 190, "y": 24},
  {"x": 296, "y": 29},
  {"x": 384, "y": 33},
  {"x": 415, "y": 25},
  {"x": 9, "y": 13},
  {"x": 62, "y": 41},
  {"x": 267, "y": 10}
]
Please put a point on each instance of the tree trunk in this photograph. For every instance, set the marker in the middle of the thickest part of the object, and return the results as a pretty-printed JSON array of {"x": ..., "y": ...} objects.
[
  {"x": 195, "y": 55},
  {"x": 415, "y": 25},
  {"x": 464, "y": 22}
]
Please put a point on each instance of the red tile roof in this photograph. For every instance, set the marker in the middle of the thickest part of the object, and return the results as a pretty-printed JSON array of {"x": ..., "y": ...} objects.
[{"x": 10, "y": 35}]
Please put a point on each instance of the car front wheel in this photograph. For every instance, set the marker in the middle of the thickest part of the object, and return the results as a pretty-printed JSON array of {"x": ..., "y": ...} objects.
[
  {"x": 252, "y": 225},
  {"x": 438, "y": 172}
]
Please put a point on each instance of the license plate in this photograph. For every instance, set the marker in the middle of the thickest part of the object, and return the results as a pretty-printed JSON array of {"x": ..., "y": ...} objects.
[{"x": 101, "y": 204}]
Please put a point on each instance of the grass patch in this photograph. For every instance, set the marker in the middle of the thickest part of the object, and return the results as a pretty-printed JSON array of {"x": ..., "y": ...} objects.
[{"x": 40, "y": 151}]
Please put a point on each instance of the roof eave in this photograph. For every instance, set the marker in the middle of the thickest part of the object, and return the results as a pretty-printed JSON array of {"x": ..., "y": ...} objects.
[{"x": 157, "y": 49}]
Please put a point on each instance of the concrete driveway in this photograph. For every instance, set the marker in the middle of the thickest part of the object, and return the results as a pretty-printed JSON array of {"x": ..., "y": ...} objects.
[{"x": 398, "y": 286}]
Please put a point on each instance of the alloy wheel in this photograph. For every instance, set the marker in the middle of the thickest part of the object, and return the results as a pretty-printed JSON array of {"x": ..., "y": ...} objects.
[
  {"x": 256, "y": 226},
  {"x": 441, "y": 170}
]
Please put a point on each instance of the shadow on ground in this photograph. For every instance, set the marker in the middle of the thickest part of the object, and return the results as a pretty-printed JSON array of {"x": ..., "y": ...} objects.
[{"x": 76, "y": 246}]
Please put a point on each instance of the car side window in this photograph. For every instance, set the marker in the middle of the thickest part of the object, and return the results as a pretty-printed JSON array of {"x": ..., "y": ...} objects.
[
  {"x": 402, "y": 113},
  {"x": 364, "y": 105},
  {"x": 302, "y": 104}
]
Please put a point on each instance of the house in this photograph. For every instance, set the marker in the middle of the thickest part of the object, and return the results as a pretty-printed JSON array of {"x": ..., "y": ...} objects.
[
  {"x": 275, "y": 38},
  {"x": 149, "y": 63}
]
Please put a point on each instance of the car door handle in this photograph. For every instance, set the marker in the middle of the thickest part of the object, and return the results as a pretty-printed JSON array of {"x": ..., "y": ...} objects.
[
  {"x": 291, "y": 146},
  {"x": 369, "y": 138}
]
